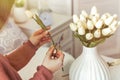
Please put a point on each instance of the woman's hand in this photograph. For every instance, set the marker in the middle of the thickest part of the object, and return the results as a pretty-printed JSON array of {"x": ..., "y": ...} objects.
[
  {"x": 40, "y": 37},
  {"x": 53, "y": 63}
]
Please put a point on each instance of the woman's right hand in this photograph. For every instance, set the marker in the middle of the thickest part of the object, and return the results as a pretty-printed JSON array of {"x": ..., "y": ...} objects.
[{"x": 53, "y": 63}]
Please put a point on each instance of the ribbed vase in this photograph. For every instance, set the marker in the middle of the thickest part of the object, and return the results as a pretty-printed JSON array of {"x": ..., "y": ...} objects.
[{"x": 89, "y": 66}]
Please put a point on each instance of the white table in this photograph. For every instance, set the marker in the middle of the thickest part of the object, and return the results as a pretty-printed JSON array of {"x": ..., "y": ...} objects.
[{"x": 27, "y": 72}]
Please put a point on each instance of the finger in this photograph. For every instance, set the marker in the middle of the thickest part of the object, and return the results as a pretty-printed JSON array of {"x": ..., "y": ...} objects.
[
  {"x": 50, "y": 51},
  {"x": 61, "y": 55},
  {"x": 43, "y": 42},
  {"x": 39, "y": 31},
  {"x": 44, "y": 34}
]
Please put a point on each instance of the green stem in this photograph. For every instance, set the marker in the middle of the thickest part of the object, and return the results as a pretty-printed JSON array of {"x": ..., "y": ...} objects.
[{"x": 39, "y": 22}]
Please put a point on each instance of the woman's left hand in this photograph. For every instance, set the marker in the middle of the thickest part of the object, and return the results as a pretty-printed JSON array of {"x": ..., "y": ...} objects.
[{"x": 40, "y": 37}]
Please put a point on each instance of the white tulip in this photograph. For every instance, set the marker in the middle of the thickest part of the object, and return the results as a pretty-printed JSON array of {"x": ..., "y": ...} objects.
[
  {"x": 93, "y": 10},
  {"x": 115, "y": 16},
  {"x": 94, "y": 20},
  {"x": 73, "y": 26},
  {"x": 89, "y": 36},
  {"x": 99, "y": 24},
  {"x": 104, "y": 17},
  {"x": 109, "y": 20},
  {"x": 29, "y": 14},
  {"x": 84, "y": 13},
  {"x": 81, "y": 31},
  {"x": 90, "y": 25},
  {"x": 107, "y": 14},
  {"x": 118, "y": 23},
  {"x": 106, "y": 31},
  {"x": 79, "y": 24},
  {"x": 97, "y": 33},
  {"x": 82, "y": 18},
  {"x": 114, "y": 23},
  {"x": 113, "y": 29},
  {"x": 75, "y": 18}
]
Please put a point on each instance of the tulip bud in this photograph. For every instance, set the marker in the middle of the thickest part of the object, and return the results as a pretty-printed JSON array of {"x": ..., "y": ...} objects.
[
  {"x": 81, "y": 31},
  {"x": 75, "y": 18},
  {"x": 118, "y": 23},
  {"x": 109, "y": 20},
  {"x": 113, "y": 29},
  {"x": 89, "y": 36},
  {"x": 73, "y": 26},
  {"x": 93, "y": 10},
  {"x": 29, "y": 14},
  {"x": 79, "y": 24},
  {"x": 106, "y": 31},
  {"x": 94, "y": 20},
  {"x": 104, "y": 17},
  {"x": 97, "y": 33},
  {"x": 82, "y": 18},
  {"x": 114, "y": 23},
  {"x": 115, "y": 16},
  {"x": 99, "y": 24},
  {"x": 84, "y": 13},
  {"x": 90, "y": 25}
]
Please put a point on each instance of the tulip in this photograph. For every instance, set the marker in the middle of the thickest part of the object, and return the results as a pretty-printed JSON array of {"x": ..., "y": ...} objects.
[
  {"x": 109, "y": 20},
  {"x": 97, "y": 33},
  {"x": 90, "y": 25},
  {"x": 89, "y": 36},
  {"x": 81, "y": 31},
  {"x": 93, "y": 10},
  {"x": 79, "y": 24},
  {"x": 99, "y": 24},
  {"x": 106, "y": 31},
  {"x": 115, "y": 16},
  {"x": 104, "y": 17},
  {"x": 75, "y": 19},
  {"x": 84, "y": 13},
  {"x": 73, "y": 26},
  {"x": 29, "y": 14},
  {"x": 94, "y": 20},
  {"x": 82, "y": 18}
]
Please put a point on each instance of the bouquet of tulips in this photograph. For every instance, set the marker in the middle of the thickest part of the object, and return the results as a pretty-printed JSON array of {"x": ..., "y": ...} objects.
[{"x": 92, "y": 28}]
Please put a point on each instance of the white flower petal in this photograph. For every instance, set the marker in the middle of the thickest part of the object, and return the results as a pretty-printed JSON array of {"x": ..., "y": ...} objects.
[
  {"x": 99, "y": 24},
  {"x": 97, "y": 33},
  {"x": 109, "y": 20},
  {"x": 106, "y": 31},
  {"x": 114, "y": 23},
  {"x": 81, "y": 31},
  {"x": 90, "y": 25},
  {"x": 82, "y": 18},
  {"x": 29, "y": 14},
  {"x": 84, "y": 13},
  {"x": 93, "y": 10},
  {"x": 94, "y": 20},
  {"x": 73, "y": 26},
  {"x": 75, "y": 18},
  {"x": 115, "y": 16},
  {"x": 89, "y": 36}
]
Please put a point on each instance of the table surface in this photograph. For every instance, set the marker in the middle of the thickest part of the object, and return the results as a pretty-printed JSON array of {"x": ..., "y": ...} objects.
[{"x": 27, "y": 72}]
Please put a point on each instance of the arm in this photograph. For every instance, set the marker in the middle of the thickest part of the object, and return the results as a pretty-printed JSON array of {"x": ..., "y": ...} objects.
[
  {"x": 50, "y": 65},
  {"x": 22, "y": 55},
  {"x": 42, "y": 74}
]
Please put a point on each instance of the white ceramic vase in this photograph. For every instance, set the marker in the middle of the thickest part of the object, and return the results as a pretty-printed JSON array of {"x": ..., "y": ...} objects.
[
  {"x": 89, "y": 66},
  {"x": 19, "y": 14}
]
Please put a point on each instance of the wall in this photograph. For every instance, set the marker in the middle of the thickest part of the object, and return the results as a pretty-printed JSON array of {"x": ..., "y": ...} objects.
[{"x": 111, "y": 45}]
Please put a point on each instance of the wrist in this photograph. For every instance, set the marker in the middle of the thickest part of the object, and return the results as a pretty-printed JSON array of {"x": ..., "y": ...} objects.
[{"x": 31, "y": 44}]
